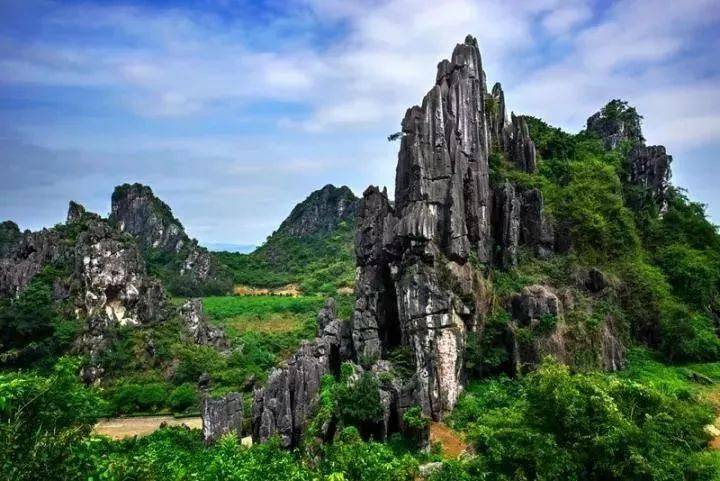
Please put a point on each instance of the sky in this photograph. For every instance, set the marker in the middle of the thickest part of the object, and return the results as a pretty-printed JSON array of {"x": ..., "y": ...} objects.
[{"x": 233, "y": 111}]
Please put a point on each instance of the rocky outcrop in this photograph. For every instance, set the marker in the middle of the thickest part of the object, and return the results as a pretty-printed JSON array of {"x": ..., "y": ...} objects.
[
  {"x": 537, "y": 327},
  {"x": 10, "y": 236},
  {"x": 519, "y": 220},
  {"x": 507, "y": 224},
  {"x": 290, "y": 398},
  {"x": 221, "y": 416},
  {"x": 374, "y": 321},
  {"x": 648, "y": 167},
  {"x": 649, "y": 173},
  {"x": 27, "y": 258},
  {"x": 536, "y": 228},
  {"x": 497, "y": 118},
  {"x": 197, "y": 328},
  {"x": 100, "y": 271},
  {"x": 190, "y": 269},
  {"x": 137, "y": 211},
  {"x": 321, "y": 212},
  {"x": 521, "y": 148},
  {"x": 111, "y": 288},
  {"x": 616, "y": 122}
]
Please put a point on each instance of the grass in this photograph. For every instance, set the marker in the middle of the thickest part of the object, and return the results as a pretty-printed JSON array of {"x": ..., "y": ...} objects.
[
  {"x": 699, "y": 380},
  {"x": 262, "y": 314}
]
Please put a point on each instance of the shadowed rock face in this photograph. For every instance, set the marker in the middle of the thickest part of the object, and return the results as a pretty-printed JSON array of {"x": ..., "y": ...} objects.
[
  {"x": 137, "y": 211},
  {"x": 289, "y": 399},
  {"x": 321, "y": 212},
  {"x": 221, "y": 416},
  {"x": 650, "y": 173}
]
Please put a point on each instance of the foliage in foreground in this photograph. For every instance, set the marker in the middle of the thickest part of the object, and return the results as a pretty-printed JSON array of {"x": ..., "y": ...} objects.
[{"x": 553, "y": 425}]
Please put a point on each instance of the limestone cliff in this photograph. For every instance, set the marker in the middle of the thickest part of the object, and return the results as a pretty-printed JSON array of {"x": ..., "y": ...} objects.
[
  {"x": 186, "y": 268},
  {"x": 647, "y": 167},
  {"x": 417, "y": 285},
  {"x": 102, "y": 276}
]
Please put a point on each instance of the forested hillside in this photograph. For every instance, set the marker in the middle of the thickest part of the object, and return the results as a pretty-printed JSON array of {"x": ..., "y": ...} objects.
[{"x": 312, "y": 248}]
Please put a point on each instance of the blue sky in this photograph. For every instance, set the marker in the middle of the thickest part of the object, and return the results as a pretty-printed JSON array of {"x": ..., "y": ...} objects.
[{"x": 233, "y": 111}]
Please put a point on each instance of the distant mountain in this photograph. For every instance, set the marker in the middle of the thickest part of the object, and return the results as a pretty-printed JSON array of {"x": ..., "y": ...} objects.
[
  {"x": 237, "y": 248},
  {"x": 313, "y": 247}
]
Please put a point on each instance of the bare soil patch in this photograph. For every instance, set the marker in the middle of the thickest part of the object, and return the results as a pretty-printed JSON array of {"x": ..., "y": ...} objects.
[
  {"x": 120, "y": 428},
  {"x": 452, "y": 442}
]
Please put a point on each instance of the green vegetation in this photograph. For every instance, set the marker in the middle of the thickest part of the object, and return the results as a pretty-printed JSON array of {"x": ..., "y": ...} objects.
[
  {"x": 555, "y": 425},
  {"x": 318, "y": 263},
  {"x": 261, "y": 331},
  {"x": 33, "y": 329},
  {"x": 660, "y": 297},
  {"x": 44, "y": 419}
]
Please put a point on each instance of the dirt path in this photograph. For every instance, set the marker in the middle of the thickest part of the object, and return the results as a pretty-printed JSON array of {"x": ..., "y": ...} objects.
[
  {"x": 119, "y": 428},
  {"x": 451, "y": 442}
]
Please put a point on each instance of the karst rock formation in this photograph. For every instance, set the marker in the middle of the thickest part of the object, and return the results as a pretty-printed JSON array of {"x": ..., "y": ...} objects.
[{"x": 417, "y": 282}]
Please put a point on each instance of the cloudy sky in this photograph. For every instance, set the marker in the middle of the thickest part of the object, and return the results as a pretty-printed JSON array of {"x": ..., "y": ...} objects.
[{"x": 234, "y": 110}]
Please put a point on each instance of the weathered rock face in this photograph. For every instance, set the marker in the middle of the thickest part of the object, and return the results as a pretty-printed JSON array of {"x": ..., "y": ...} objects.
[
  {"x": 614, "y": 123},
  {"x": 507, "y": 224},
  {"x": 10, "y": 236},
  {"x": 536, "y": 229},
  {"x": 137, "y": 211},
  {"x": 374, "y": 320},
  {"x": 103, "y": 275},
  {"x": 536, "y": 310},
  {"x": 415, "y": 286},
  {"x": 34, "y": 251},
  {"x": 497, "y": 118},
  {"x": 321, "y": 212},
  {"x": 649, "y": 172},
  {"x": 111, "y": 288},
  {"x": 197, "y": 327},
  {"x": 289, "y": 399},
  {"x": 521, "y": 148},
  {"x": 442, "y": 191},
  {"x": 221, "y": 416}
]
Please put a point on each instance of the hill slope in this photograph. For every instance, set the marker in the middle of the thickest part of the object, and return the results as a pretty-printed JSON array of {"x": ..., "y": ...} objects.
[{"x": 313, "y": 247}]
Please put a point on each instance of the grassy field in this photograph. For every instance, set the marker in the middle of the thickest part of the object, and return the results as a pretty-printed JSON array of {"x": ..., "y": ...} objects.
[{"x": 268, "y": 314}]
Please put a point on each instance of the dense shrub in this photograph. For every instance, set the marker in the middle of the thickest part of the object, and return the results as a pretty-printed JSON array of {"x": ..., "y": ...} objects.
[
  {"x": 554, "y": 425},
  {"x": 183, "y": 398},
  {"x": 358, "y": 400},
  {"x": 42, "y": 420},
  {"x": 31, "y": 327}
]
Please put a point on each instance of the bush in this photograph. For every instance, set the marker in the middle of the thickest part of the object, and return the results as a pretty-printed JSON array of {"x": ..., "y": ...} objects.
[
  {"x": 358, "y": 401},
  {"x": 130, "y": 398},
  {"x": 183, "y": 398},
  {"x": 44, "y": 418},
  {"x": 582, "y": 427},
  {"x": 693, "y": 274},
  {"x": 688, "y": 336}
]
